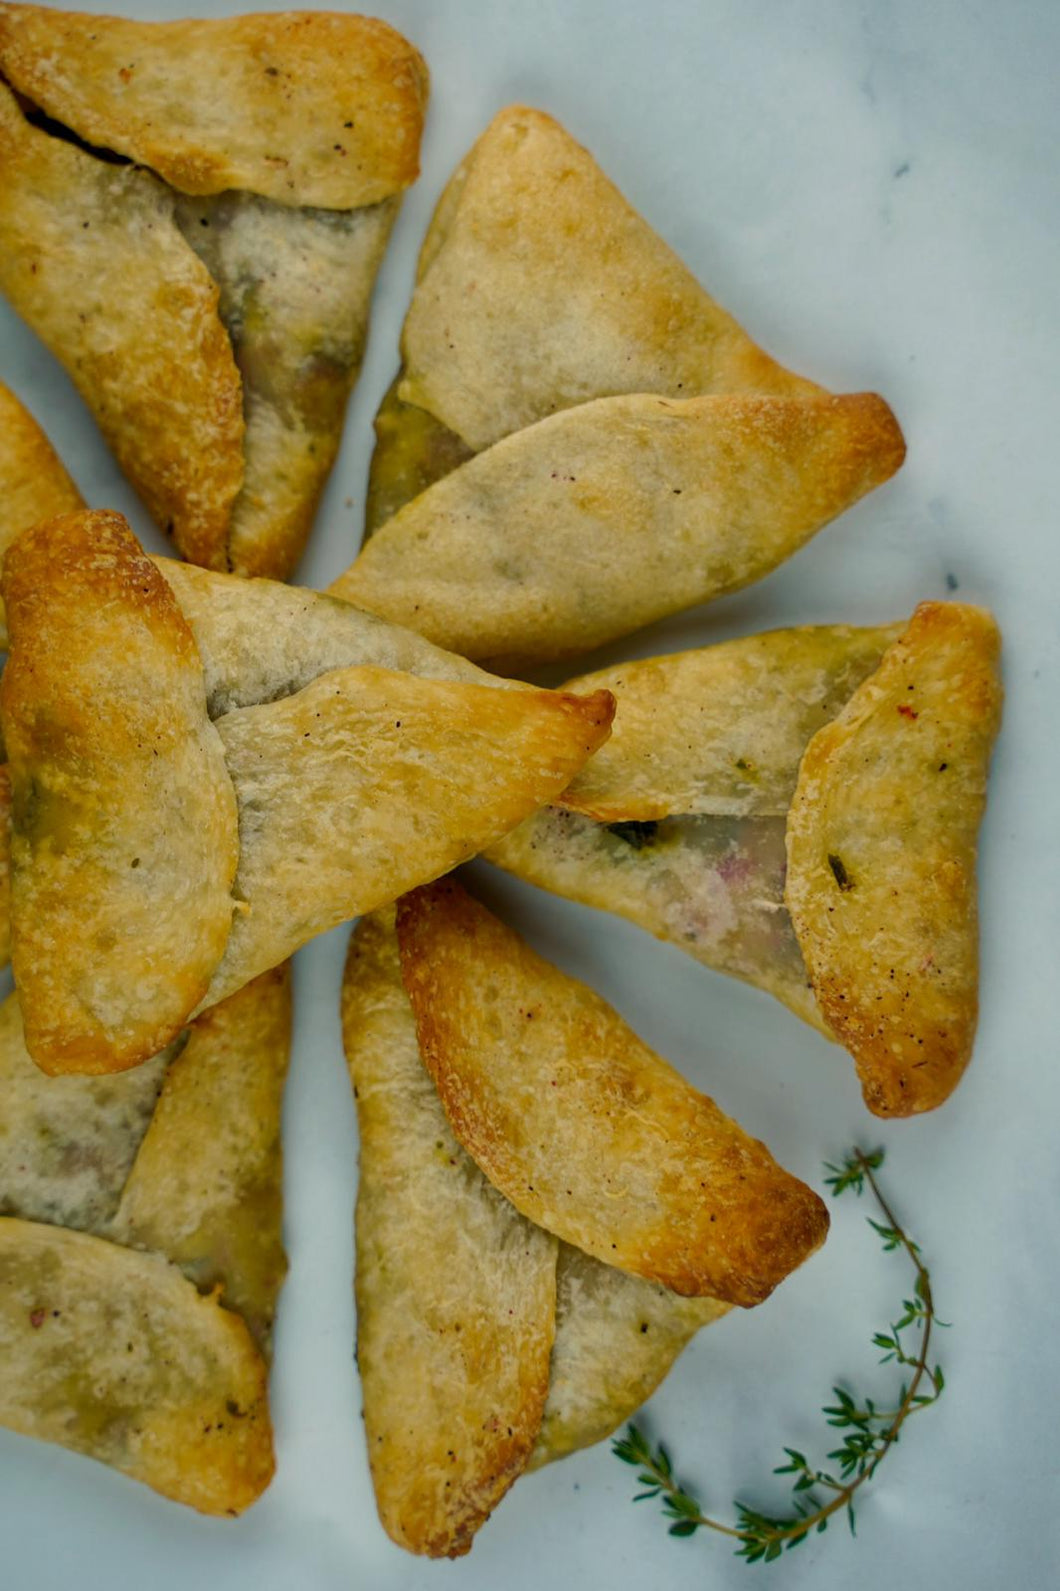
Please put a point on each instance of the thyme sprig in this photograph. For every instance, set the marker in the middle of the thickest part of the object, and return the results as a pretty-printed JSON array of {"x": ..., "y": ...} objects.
[{"x": 869, "y": 1432}]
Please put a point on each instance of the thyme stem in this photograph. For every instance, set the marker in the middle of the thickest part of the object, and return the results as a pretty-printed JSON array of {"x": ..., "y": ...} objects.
[{"x": 871, "y": 1433}]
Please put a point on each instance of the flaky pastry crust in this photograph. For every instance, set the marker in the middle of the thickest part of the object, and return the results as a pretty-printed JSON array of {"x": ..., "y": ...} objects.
[
  {"x": 585, "y": 1129},
  {"x": 383, "y": 780},
  {"x": 456, "y": 1292},
  {"x": 92, "y": 258},
  {"x": 304, "y": 107},
  {"x": 540, "y": 287},
  {"x": 882, "y": 839},
  {"x": 192, "y": 219},
  {"x": 180, "y": 1157},
  {"x": 617, "y": 1336},
  {"x": 206, "y": 1188},
  {"x": 720, "y": 730},
  {"x": 116, "y": 1355},
  {"x": 124, "y": 827},
  {"x": 607, "y": 516}
]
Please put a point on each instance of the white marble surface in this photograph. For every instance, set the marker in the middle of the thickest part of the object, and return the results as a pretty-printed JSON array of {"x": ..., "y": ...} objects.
[{"x": 872, "y": 189}]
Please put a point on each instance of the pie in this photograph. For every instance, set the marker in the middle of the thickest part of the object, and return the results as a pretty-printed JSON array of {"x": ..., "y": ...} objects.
[
  {"x": 485, "y": 1345},
  {"x": 580, "y": 440},
  {"x": 141, "y": 1252},
  {"x": 161, "y": 858},
  {"x": 801, "y": 809},
  {"x": 581, "y": 1126},
  {"x": 192, "y": 217},
  {"x": 604, "y": 517},
  {"x": 539, "y": 287}
]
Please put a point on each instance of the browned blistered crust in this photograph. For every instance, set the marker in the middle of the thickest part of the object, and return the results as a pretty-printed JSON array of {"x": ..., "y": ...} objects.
[
  {"x": 91, "y": 257},
  {"x": 116, "y": 1355},
  {"x": 304, "y": 107},
  {"x": 583, "y": 1127},
  {"x": 608, "y": 516},
  {"x": 882, "y": 840},
  {"x": 124, "y": 843},
  {"x": 33, "y": 483},
  {"x": 456, "y": 1292}
]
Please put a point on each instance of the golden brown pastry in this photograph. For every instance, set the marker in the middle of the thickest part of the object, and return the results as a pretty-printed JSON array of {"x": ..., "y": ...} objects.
[
  {"x": 585, "y": 1129},
  {"x": 124, "y": 827},
  {"x": 689, "y": 823},
  {"x": 180, "y": 1157},
  {"x": 207, "y": 1185},
  {"x": 539, "y": 287},
  {"x": 192, "y": 217},
  {"x": 600, "y": 519},
  {"x": 33, "y": 483},
  {"x": 195, "y": 856},
  {"x": 882, "y": 839},
  {"x": 116, "y": 1355},
  {"x": 67, "y": 1144},
  {"x": 368, "y": 781},
  {"x": 721, "y": 730},
  {"x": 260, "y": 640},
  {"x": 456, "y": 1292},
  {"x": 617, "y": 1336},
  {"x": 459, "y": 1297}
]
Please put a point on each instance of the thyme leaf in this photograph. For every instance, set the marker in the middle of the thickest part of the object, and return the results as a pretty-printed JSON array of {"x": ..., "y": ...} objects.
[{"x": 869, "y": 1433}]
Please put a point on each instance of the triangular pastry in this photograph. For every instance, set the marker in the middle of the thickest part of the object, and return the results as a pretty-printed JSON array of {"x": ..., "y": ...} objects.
[
  {"x": 33, "y": 481},
  {"x": 800, "y": 809},
  {"x": 359, "y": 784},
  {"x": 456, "y": 1292},
  {"x": 460, "y": 1298},
  {"x": 581, "y": 1126},
  {"x": 189, "y": 856},
  {"x": 151, "y": 1203},
  {"x": 601, "y": 519},
  {"x": 192, "y": 216},
  {"x": 539, "y": 287}
]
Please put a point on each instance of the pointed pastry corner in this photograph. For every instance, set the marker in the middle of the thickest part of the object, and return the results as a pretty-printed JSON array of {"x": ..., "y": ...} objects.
[
  {"x": 124, "y": 831},
  {"x": 614, "y": 513},
  {"x": 581, "y": 1126},
  {"x": 875, "y": 434},
  {"x": 575, "y": 295},
  {"x": 882, "y": 839},
  {"x": 115, "y": 1355}
]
